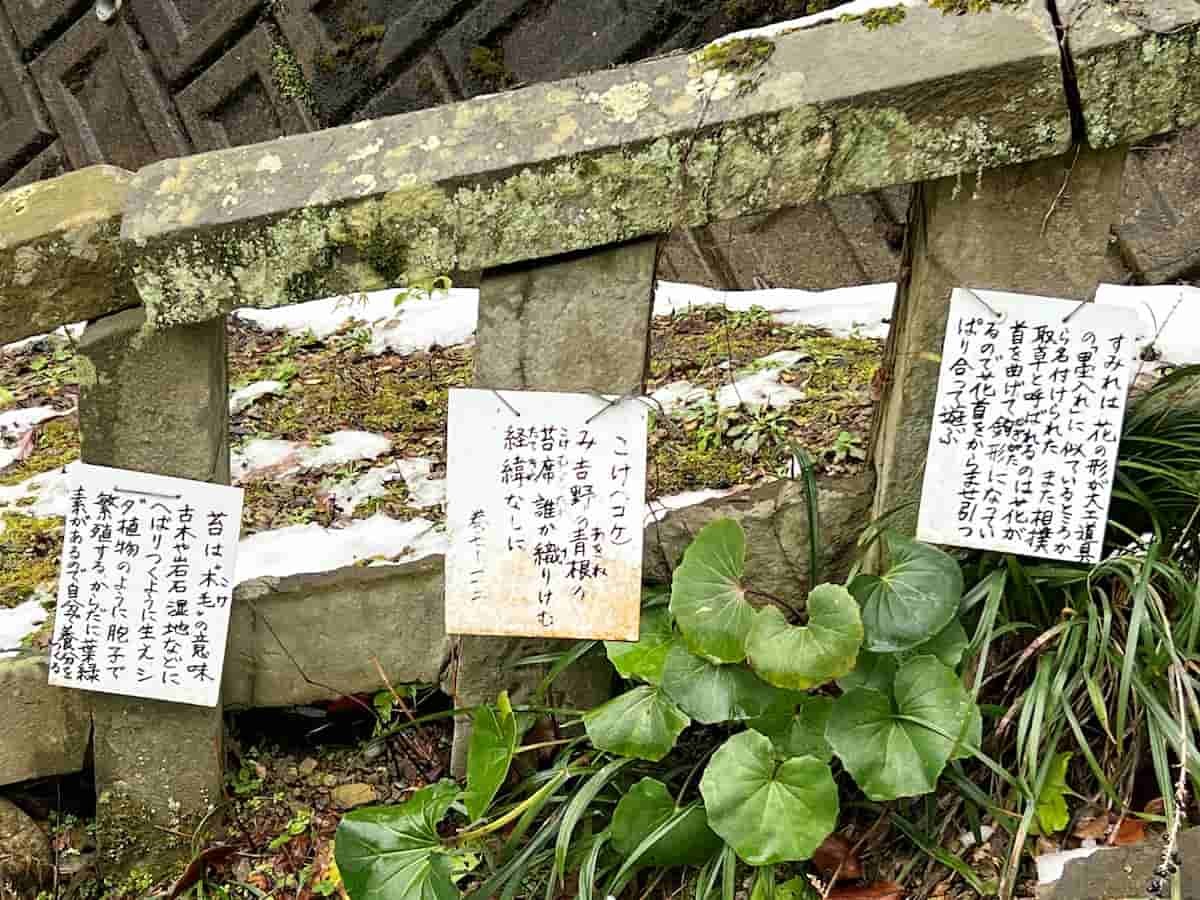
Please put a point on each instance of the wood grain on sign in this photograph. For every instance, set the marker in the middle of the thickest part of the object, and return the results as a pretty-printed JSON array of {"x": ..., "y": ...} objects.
[
  {"x": 545, "y": 503},
  {"x": 145, "y": 585},
  {"x": 1023, "y": 447}
]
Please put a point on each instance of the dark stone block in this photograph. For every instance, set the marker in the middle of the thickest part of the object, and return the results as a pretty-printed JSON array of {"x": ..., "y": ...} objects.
[
  {"x": 33, "y": 19},
  {"x": 184, "y": 34},
  {"x": 24, "y": 126},
  {"x": 104, "y": 98},
  {"x": 245, "y": 97},
  {"x": 50, "y": 163}
]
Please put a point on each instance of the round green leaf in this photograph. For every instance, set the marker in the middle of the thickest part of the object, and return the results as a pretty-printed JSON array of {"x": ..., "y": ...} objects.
[
  {"x": 769, "y": 812},
  {"x": 643, "y": 659},
  {"x": 913, "y": 599},
  {"x": 707, "y": 597},
  {"x": 873, "y": 670},
  {"x": 799, "y": 733},
  {"x": 800, "y": 657},
  {"x": 643, "y": 722},
  {"x": 880, "y": 739},
  {"x": 712, "y": 694},
  {"x": 394, "y": 852},
  {"x": 947, "y": 645},
  {"x": 645, "y": 807}
]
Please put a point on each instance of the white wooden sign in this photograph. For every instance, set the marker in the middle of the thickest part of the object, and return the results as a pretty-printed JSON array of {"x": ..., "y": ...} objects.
[
  {"x": 1027, "y": 422},
  {"x": 546, "y": 493},
  {"x": 145, "y": 585}
]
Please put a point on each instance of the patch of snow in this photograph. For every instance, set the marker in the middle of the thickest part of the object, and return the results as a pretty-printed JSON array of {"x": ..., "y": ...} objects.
[
  {"x": 286, "y": 457},
  {"x": 250, "y": 394},
  {"x": 1172, "y": 312},
  {"x": 306, "y": 549},
  {"x": 73, "y": 330},
  {"x": 445, "y": 319},
  {"x": 863, "y": 310},
  {"x": 759, "y": 389},
  {"x": 672, "y": 396},
  {"x": 17, "y": 623},
  {"x": 15, "y": 422},
  {"x": 657, "y": 509},
  {"x": 855, "y": 8},
  {"x": 423, "y": 491},
  {"x": 8, "y": 456},
  {"x": 42, "y": 495},
  {"x": 1050, "y": 865},
  {"x": 966, "y": 840}
]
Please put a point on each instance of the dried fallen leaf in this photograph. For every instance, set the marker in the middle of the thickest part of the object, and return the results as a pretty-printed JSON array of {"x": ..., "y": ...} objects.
[
  {"x": 1129, "y": 831},
  {"x": 1156, "y": 807},
  {"x": 876, "y": 890},
  {"x": 196, "y": 868},
  {"x": 835, "y": 859},
  {"x": 1091, "y": 827}
]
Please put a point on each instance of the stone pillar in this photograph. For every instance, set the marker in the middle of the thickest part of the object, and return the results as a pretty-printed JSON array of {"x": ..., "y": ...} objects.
[
  {"x": 576, "y": 323},
  {"x": 1039, "y": 228},
  {"x": 156, "y": 402}
]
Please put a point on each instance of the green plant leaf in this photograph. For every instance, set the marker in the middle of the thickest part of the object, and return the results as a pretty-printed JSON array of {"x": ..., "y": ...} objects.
[
  {"x": 644, "y": 808},
  {"x": 947, "y": 645},
  {"x": 712, "y": 694},
  {"x": 643, "y": 659},
  {"x": 880, "y": 739},
  {"x": 799, "y": 657},
  {"x": 707, "y": 597},
  {"x": 394, "y": 852},
  {"x": 971, "y": 736},
  {"x": 873, "y": 670},
  {"x": 769, "y": 812},
  {"x": 913, "y": 599},
  {"x": 801, "y": 733},
  {"x": 493, "y": 743},
  {"x": 1052, "y": 813},
  {"x": 643, "y": 722}
]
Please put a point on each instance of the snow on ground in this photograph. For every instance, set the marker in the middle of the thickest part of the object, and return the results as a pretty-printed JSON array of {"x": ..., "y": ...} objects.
[
  {"x": 286, "y": 457},
  {"x": 311, "y": 548},
  {"x": 1170, "y": 317},
  {"x": 855, "y": 8},
  {"x": 1050, "y": 865},
  {"x": 18, "y": 622},
  {"x": 443, "y": 318},
  {"x": 762, "y": 387},
  {"x": 247, "y": 396},
  {"x": 423, "y": 491},
  {"x": 15, "y": 422},
  {"x": 671, "y": 397},
  {"x": 42, "y": 495},
  {"x": 657, "y": 509},
  {"x": 71, "y": 331}
]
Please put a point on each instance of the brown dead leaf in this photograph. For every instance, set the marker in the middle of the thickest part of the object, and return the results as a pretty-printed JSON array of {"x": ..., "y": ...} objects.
[
  {"x": 1128, "y": 831},
  {"x": 1156, "y": 807},
  {"x": 198, "y": 866},
  {"x": 876, "y": 890},
  {"x": 1091, "y": 827},
  {"x": 835, "y": 859}
]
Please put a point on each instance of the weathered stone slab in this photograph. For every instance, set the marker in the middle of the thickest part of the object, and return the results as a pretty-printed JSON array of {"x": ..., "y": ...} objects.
[
  {"x": 50, "y": 163},
  {"x": 182, "y": 34},
  {"x": 775, "y": 519},
  {"x": 154, "y": 403},
  {"x": 334, "y": 626},
  {"x": 1160, "y": 226},
  {"x": 1137, "y": 66},
  {"x": 1014, "y": 229},
  {"x": 1122, "y": 873},
  {"x": 46, "y": 729},
  {"x": 679, "y": 141},
  {"x": 61, "y": 259},
  {"x": 24, "y": 126}
]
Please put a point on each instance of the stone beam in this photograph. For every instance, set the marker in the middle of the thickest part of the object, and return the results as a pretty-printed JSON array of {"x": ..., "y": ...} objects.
[
  {"x": 745, "y": 126},
  {"x": 60, "y": 252},
  {"x": 1137, "y": 66}
]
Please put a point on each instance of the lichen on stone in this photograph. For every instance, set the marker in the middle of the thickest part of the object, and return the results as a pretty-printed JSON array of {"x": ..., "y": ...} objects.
[{"x": 879, "y": 17}]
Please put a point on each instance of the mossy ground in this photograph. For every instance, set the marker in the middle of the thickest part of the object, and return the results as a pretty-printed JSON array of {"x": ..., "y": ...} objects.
[{"x": 335, "y": 383}]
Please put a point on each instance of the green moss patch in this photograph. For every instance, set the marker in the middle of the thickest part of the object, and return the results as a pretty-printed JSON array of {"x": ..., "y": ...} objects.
[
  {"x": 30, "y": 557},
  {"x": 55, "y": 444}
]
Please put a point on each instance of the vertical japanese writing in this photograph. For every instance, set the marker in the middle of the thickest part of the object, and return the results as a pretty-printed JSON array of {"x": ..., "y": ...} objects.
[
  {"x": 545, "y": 513},
  {"x": 145, "y": 586},
  {"x": 1026, "y": 426}
]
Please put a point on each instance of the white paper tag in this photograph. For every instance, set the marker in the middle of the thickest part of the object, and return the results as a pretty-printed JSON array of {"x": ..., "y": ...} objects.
[
  {"x": 145, "y": 585},
  {"x": 1026, "y": 425},
  {"x": 546, "y": 493}
]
